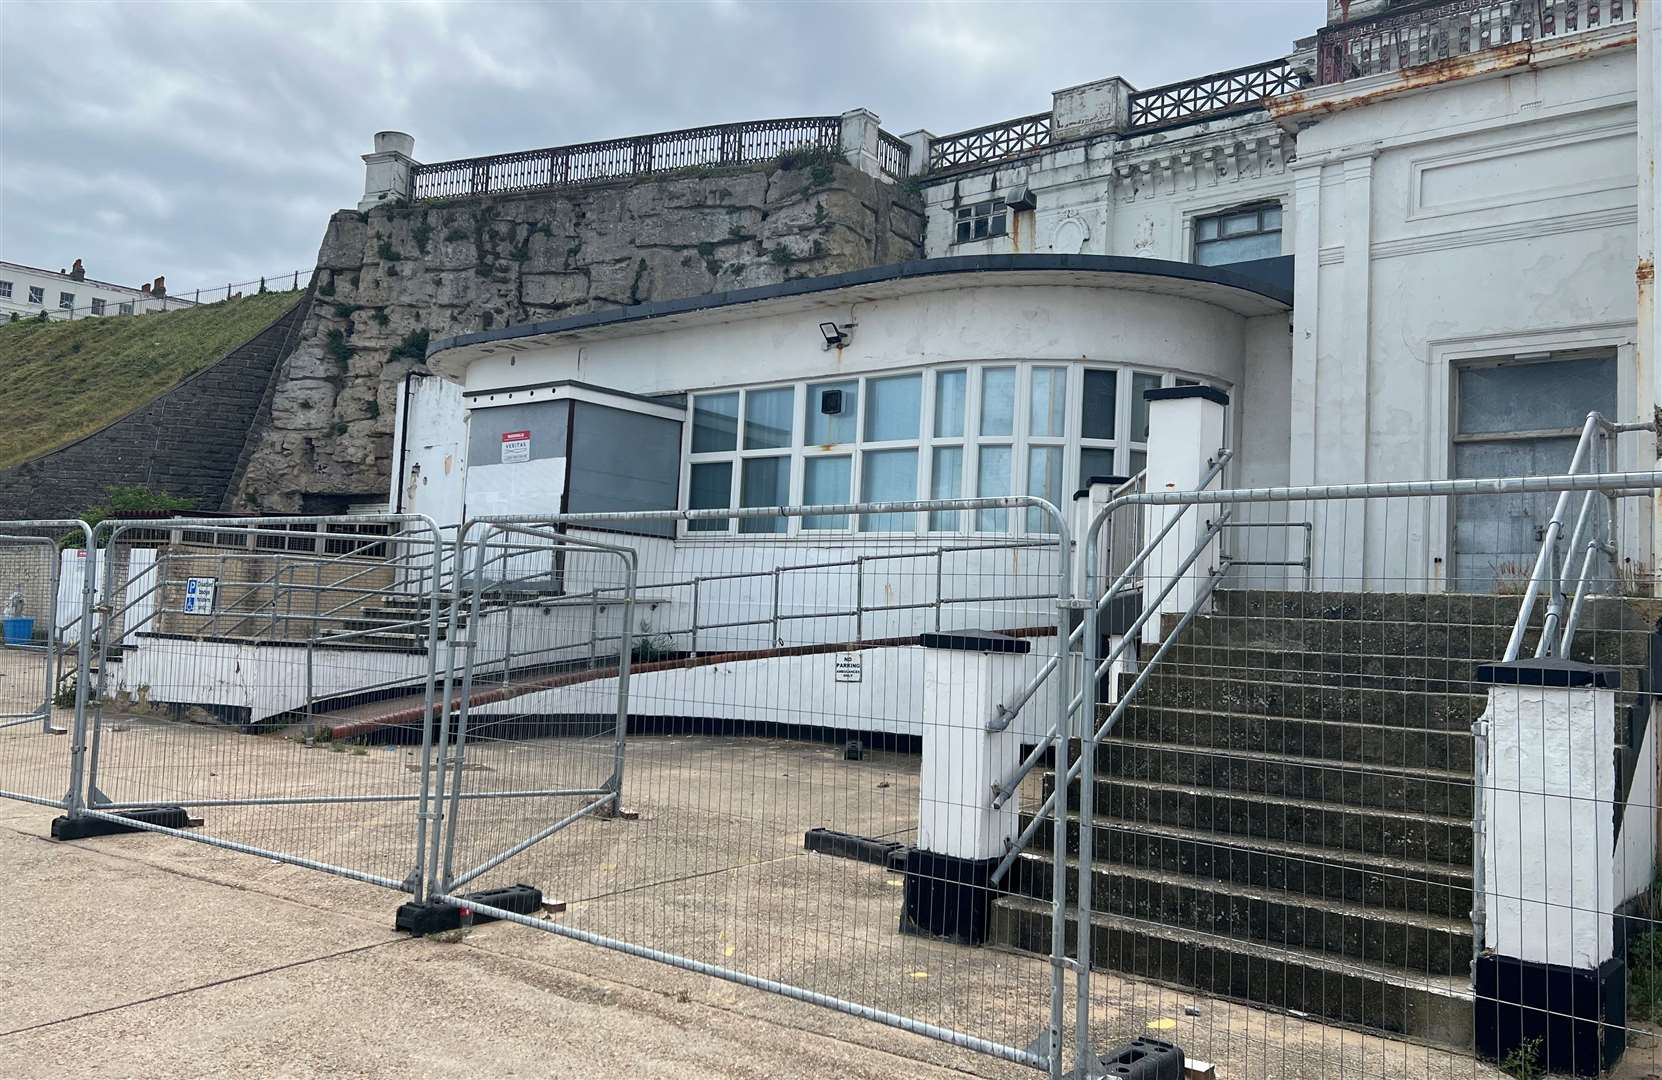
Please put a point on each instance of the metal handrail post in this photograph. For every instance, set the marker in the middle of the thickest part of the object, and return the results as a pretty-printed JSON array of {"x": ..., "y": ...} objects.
[
  {"x": 1549, "y": 542},
  {"x": 80, "y": 769},
  {"x": 1082, "y": 1054}
]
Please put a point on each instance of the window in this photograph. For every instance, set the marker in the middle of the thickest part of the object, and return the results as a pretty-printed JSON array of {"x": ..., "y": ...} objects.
[
  {"x": 97, "y": 306},
  {"x": 126, "y": 308},
  {"x": 66, "y": 301},
  {"x": 37, "y": 294},
  {"x": 5, "y": 290},
  {"x": 979, "y": 221},
  {"x": 984, "y": 430},
  {"x": 1251, "y": 232}
]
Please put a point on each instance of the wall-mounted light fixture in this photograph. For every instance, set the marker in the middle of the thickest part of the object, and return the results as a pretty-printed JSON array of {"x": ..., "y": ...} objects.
[
  {"x": 835, "y": 336},
  {"x": 1021, "y": 198}
]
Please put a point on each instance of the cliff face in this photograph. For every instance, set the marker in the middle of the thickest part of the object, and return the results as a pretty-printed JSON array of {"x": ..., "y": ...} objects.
[{"x": 393, "y": 278}]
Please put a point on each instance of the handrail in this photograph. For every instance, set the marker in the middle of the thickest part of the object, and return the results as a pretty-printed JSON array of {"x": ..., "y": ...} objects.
[
  {"x": 1005, "y": 712},
  {"x": 1005, "y": 789},
  {"x": 1554, "y": 642},
  {"x": 1020, "y": 843}
]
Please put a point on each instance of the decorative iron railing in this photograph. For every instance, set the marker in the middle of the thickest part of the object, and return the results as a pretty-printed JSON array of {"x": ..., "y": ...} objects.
[
  {"x": 894, "y": 157},
  {"x": 1445, "y": 29},
  {"x": 640, "y": 155},
  {"x": 993, "y": 142},
  {"x": 1226, "y": 92}
]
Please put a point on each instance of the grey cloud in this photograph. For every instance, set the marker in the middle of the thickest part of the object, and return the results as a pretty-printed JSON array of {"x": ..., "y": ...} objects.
[{"x": 209, "y": 142}]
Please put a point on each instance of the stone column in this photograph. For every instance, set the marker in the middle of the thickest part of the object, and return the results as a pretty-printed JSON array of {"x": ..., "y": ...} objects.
[
  {"x": 389, "y": 170},
  {"x": 860, "y": 128},
  {"x": 1547, "y": 892},
  {"x": 1092, "y": 108},
  {"x": 1185, "y": 434}
]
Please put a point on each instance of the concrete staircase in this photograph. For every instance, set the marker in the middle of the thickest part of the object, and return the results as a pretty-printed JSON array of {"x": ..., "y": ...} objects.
[{"x": 1283, "y": 816}]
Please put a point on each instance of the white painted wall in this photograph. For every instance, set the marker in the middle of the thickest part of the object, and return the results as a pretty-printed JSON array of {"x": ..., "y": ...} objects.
[
  {"x": 1636, "y": 842},
  {"x": 1476, "y": 219},
  {"x": 53, "y": 285},
  {"x": 430, "y": 441}
]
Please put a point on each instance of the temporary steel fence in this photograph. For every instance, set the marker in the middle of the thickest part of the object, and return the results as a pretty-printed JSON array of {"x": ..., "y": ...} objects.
[{"x": 1242, "y": 769}]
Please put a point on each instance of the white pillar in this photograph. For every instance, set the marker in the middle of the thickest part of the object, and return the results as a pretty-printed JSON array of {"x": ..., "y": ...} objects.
[
  {"x": 860, "y": 128},
  {"x": 961, "y": 838},
  {"x": 1185, "y": 425},
  {"x": 389, "y": 170},
  {"x": 919, "y": 141}
]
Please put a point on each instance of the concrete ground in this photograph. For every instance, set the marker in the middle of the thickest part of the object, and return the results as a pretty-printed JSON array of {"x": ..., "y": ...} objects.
[{"x": 151, "y": 955}]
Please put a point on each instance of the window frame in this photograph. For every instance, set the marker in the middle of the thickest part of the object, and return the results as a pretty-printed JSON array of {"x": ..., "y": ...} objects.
[
  {"x": 66, "y": 301},
  {"x": 1257, "y": 207},
  {"x": 997, "y": 213},
  {"x": 1127, "y": 446},
  {"x": 37, "y": 294},
  {"x": 99, "y": 305},
  {"x": 5, "y": 290}
]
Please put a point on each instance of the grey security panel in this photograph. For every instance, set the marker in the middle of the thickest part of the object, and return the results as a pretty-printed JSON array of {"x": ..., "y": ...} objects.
[
  {"x": 623, "y": 460},
  {"x": 545, "y": 420}
]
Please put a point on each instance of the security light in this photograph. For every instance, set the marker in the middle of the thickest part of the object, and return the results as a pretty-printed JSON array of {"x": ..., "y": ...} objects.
[{"x": 834, "y": 335}]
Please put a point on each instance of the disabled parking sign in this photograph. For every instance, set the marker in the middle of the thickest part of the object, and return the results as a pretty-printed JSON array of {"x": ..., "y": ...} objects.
[{"x": 199, "y": 595}]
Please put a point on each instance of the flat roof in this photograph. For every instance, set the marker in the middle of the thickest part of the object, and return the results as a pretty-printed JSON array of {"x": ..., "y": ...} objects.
[{"x": 1262, "y": 287}]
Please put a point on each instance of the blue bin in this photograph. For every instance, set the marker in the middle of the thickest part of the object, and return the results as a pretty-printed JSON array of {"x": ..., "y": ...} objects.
[{"x": 19, "y": 631}]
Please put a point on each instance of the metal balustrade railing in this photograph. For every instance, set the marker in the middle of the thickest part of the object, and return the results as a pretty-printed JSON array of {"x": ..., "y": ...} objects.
[
  {"x": 640, "y": 155},
  {"x": 1430, "y": 32},
  {"x": 992, "y": 142},
  {"x": 1222, "y": 94}
]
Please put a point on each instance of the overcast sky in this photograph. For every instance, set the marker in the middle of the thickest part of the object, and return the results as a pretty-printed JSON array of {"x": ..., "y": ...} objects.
[{"x": 210, "y": 141}]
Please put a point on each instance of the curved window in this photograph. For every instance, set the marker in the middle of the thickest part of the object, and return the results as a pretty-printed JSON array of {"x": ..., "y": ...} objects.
[{"x": 991, "y": 428}]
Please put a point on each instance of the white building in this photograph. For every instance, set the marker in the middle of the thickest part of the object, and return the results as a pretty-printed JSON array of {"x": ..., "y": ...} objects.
[{"x": 26, "y": 291}]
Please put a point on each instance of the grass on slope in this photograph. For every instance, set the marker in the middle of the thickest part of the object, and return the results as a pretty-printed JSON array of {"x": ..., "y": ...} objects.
[{"x": 63, "y": 380}]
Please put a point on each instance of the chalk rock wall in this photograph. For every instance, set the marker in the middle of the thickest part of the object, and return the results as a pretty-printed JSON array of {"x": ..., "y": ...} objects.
[{"x": 396, "y": 277}]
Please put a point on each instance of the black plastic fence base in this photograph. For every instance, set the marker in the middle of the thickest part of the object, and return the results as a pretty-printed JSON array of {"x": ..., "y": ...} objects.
[
  {"x": 435, "y": 916},
  {"x": 1143, "y": 1059},
  {"x": 886, "y": 853},
  {"x": 76, "y": 828}
]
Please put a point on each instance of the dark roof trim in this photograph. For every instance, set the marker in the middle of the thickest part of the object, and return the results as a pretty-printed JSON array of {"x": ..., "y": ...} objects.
[
  {"x": 1541, "y": 671},
  {"x": 580, "y": 385},
  {"x": 1180, "y": 393},
  {"x": 917, "y": 268}
]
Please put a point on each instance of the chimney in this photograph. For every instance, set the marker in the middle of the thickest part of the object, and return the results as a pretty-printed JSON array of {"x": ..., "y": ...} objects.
[
  {"x": 76, "y": 273},
  {"x": 160, "y": 287},
  {"x": 145, "y": 288}
]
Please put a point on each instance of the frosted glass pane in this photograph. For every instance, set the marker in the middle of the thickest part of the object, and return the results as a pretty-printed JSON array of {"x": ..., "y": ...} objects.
[
  {"x": 946, "y": 481},
  {"x": 764, "y": 482},
  {"x": 710, "y": 488},
  {"x": 888, "y": 476},
  {"x": 949, "y": 404},
  {"x": 1535, "y": 397},
  {"x": 992, "y": 479},
  {"x": 1044, "y": 479},
  {"x": 1048, "y": 401},
  {"x": 893, "y": 407},
  {"x": 1139, "y": 405},
  {"x": 1101, "y": 400},
  {"x": 998, "y": 401},
  {"x": 767, "y": 418},
  {"x": 824, "y": 428},
  {"x": 825, "y": 481},
  {"x": 715, "y": 423},
  {"x": 1095, "y": 463}
]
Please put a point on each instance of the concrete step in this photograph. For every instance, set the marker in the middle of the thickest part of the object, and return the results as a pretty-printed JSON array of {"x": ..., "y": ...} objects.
[
  {"x": 1364, "y": 744},
  {"x": 1240, "y": 771},
  {"x": 1257, "y": 864},
  {"x": 1421, "y": 943},
  {"x": 1604, "y": 612},
  {"x": 1453, "y": 710},
  {"x": 1268, "y": 665},
  {"x": 1437, "y": 1009},
  {"x": 1345, "y": 830},
  {"x": 1466, "y": 641}
]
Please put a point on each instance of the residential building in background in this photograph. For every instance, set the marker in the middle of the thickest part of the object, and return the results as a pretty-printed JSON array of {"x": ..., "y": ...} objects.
[{"x": 26, "y": 291}]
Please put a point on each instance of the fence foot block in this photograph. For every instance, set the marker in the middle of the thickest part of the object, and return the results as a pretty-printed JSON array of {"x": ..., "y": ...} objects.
[
  {"x": 435, "y": 916},
  {"x": 947, "y": 897},
  {"x": 77, "y": 828}
]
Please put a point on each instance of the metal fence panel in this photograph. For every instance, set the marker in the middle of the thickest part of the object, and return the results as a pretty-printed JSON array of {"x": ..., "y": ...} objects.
[
  {"x": 41, "y": 695},
  {"x": 274, "y": 677},
  {"x": 1316, "y": 830},
  {"x": 803, "y": 782}
]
